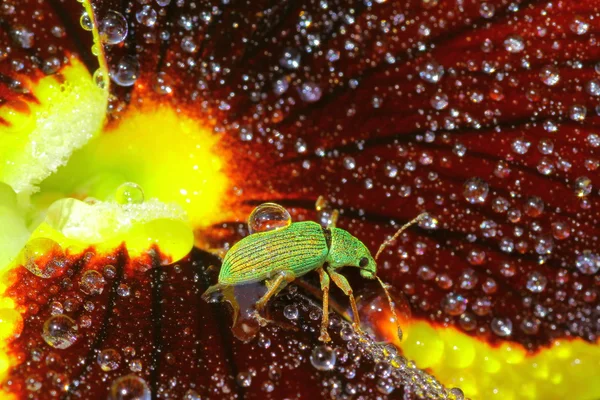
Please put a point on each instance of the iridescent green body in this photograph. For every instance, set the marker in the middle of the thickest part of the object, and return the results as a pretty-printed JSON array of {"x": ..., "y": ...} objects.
[
  {"x": 296, "y": 250},
  {"x": 280, "y": 256}
]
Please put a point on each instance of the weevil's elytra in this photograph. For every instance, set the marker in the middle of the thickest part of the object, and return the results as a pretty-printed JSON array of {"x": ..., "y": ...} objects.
[{"x": 280, "y": 256}]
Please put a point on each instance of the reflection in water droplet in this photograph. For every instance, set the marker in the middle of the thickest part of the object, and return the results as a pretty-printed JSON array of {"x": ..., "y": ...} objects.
[
  {"x": 113, "y": 28},
  {"x": 146, "y": 16},
  {"x": 129, "y": 387},
  {"x": 59, "y": 331},
  {"x": 126, "y": 71},
  {"x": 290, "y": 59},
  {"x": 323, "y": 358},
  {"x": 92, "y": 282},
  {"x": 514, "y": 44},
  {"x": 431, "y": 72},
  {"x": 454, "y": 304},
  {"x": 536, "y": 282},
  {"x": 501, "y": 326},
  {"x": 268, "y": 217},
  {"x": 588, "y": 263},
  {"x": 129, "y": 193},
  {"x": 109, "y": 359},
  {"x": 310, "y": 92},
  {"x": 583, "y": 186},
  {"x": 475, "y": 190},
  {"x": 550, "y": 75}
]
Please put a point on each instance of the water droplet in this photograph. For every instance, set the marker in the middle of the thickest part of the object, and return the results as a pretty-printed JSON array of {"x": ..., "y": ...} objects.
[
  {"x": 534, "y": 206},
  {"x": 487, "y": 10},
  {"x": 59, "y": 331},
  {"x": 268, "y": 217},
  {"x": 123, "y": 290},
  {"x": 92, "y": 282},
  {"x": 475, "y": 190},
  {"x": 536, "y": 282},
  {"x": 244, "y": 379},
  {"x": 583, "y": 186},
  {"x": 146, "y": 16},
  {"x": 23, "y": 36},
  {"x": 482, "y": 306},
  {"x": 86, "y": 22},
  {"x": 129, "y": 387},
  {"x": 439, "y": 101},
  {"x": 561, "y": 230},
  {"x": 385, "y": 386},
  {"x": 428, "y": 221},
  {"x": 530, "y": 326},
  {"x": 577, "y": 112},
  {"x": 579, "y": 25},
  {"x": 310, "y": 92},
  {"x": 323, "y": 358},
  {"x": 129, "y": 193},
  {"x": 514, "y": 44},
  {"x": 109, "y": 359},
  {"x": 593, "y": 87},
  {"x": 290, "y": 311},
  {"x": 550, "y": 75},
  {"x": 467, "y": 321},
  {"x": 281, "y": 85},
  {"x": 126, "y": 72},
  {"x": 113, "y": 28},
  {"x": 488, "y": 228},
  {"x": 188, "y": 44},
  {"x": 520, "y": 145},
  {"x": 588, "y": 263},
  {"x": 290, "y": 58},
  {"x": 501, "y": 326},
  {"x": 454, "y": 304},
  {"x": 431, "y": 72}
]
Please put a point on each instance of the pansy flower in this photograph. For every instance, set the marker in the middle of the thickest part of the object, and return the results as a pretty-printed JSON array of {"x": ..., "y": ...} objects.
[{"x": 136, "y": 137}]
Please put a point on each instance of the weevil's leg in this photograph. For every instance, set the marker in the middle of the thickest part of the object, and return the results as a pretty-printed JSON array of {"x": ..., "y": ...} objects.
[
  {"x": 341, "y": 282},
  {"x": 324, "y": 278},
  {"x": 274, "y": 286}
]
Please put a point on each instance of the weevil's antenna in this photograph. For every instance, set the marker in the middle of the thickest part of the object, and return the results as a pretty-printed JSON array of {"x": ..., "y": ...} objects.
[
  {"x": 392, "y": 308},
  {"x": 399, "y": 232}
]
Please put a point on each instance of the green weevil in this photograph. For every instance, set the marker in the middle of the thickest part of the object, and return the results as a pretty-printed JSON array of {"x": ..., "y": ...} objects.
[{"x": 280, "y": 256}]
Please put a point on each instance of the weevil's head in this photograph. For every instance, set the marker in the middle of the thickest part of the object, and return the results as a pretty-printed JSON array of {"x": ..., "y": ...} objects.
[{"x": 348, "y": 251}]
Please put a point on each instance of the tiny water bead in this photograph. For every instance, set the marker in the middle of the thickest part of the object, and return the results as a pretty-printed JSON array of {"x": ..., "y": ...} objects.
[
  {"x": 582, "y": 186},
  {"x": 92, "y": 282},
  {"x": 268, "y": 217},
  {"x": 290, "y": 311},
  {"x": 323, "y": 358},
  {"x": 129, "y": 387},
  {"x": 60, "y": 331},
  {"x": 129, "y": 193},
  {"x": 113, "y": 28},
  {"x": 588, "y": 263},
  {"x": 536, "y": 282},
  {"x": 501, "y": 326},
  {"x": 109, "y": 359},
  {"x": 454, "y": 304},
  {"x": 475, "y": 190}
]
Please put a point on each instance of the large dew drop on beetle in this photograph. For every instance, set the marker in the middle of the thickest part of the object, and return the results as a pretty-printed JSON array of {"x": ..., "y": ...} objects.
[{"x": 268, "y": 217}]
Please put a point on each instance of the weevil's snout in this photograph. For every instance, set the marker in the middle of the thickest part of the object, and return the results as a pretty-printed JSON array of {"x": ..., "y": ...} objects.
[
  {"x": 365, "y": 273},
  {"x": 368, "y": 268}
]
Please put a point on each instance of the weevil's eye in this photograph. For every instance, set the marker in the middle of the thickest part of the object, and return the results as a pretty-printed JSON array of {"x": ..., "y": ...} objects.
[{"x": 363, "y": 262}]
